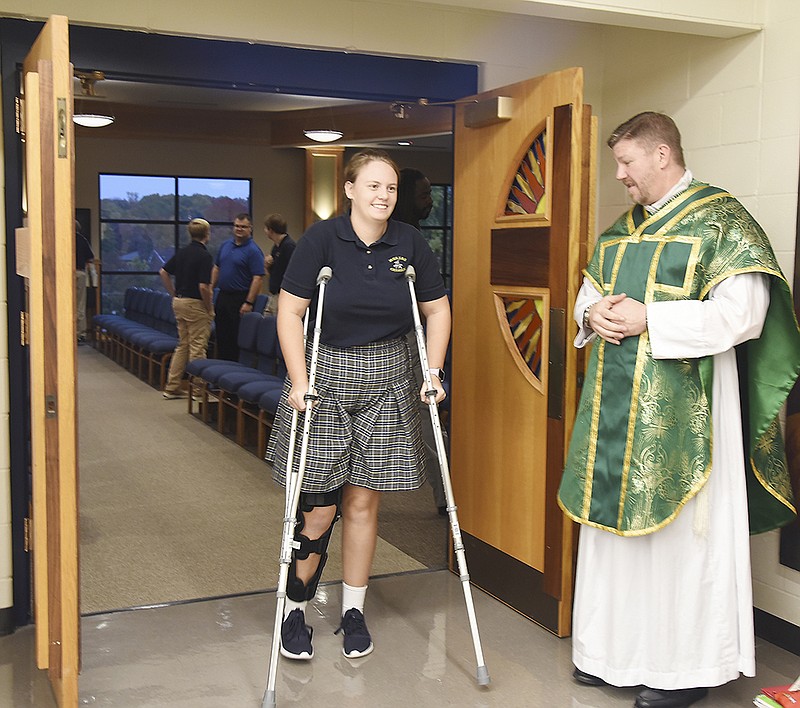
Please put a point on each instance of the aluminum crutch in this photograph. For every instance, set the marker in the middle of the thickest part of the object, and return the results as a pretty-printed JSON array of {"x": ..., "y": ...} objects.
[
  {"x": 458, "y": 545},
  {"x": 294, "y": 482}
]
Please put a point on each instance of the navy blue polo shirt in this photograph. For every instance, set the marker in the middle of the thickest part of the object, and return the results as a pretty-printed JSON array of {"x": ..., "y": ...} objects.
[
  {"x": 238, "y": 264},
  {"x": 281, "y": 255},
  {"x": 191, "y": 266},
  {"x": 367, "y": 299}
]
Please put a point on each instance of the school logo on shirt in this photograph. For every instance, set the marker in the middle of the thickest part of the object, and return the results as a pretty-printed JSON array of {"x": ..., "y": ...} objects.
[{"x": 398, "y": 264}]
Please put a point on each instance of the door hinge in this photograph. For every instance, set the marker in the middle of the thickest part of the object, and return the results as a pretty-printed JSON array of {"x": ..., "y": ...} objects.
[
  {"x": 50, "y": 406},
  {"x": 24, "y": 339},
  {"x": 61, "y": 127},
  {"x": 27, "y": 534},
  {"x": 19, "y": 116}
]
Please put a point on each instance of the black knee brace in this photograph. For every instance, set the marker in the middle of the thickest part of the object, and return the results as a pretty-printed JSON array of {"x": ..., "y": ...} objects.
[{"x": 296, "y": 589}]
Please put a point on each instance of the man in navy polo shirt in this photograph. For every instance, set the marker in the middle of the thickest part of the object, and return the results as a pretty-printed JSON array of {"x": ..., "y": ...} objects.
[
  {"x": 278, "y": 259},
  {"x": 191, "y": 301},
  {"x": 238, "y": 271}
]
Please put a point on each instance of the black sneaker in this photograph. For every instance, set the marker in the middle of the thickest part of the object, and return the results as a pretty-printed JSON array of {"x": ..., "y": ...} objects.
[
  {"x": 357, "y": 641},
  {"x": 296, "y": 637}
]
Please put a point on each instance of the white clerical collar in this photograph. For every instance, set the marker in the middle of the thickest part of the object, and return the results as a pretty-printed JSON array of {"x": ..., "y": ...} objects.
[{"x": 682, "y": 184}]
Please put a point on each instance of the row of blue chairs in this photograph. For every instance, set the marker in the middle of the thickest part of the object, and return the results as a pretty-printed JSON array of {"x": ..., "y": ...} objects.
[
  {"x": 250, "y": 388},
  {"x": 143, "y": 337}
]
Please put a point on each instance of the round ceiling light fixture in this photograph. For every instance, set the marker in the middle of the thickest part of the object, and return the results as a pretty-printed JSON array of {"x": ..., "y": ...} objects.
[
  {"x": 323, "y": 136},
  {"x": 92, "y": 120}
]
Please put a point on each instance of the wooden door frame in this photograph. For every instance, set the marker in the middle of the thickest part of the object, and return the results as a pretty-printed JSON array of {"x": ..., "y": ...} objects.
[{"x": 49, "y": 162}]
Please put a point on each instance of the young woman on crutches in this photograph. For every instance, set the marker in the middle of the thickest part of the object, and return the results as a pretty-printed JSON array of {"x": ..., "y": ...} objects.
[{"x": 364, "y": 411}]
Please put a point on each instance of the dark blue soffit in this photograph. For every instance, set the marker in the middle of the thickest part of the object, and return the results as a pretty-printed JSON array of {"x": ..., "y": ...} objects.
[{"x": 158, "y": 58}]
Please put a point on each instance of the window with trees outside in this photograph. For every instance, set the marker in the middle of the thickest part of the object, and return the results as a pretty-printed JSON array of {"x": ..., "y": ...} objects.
[
  {"x": 143, "y": 222},
  {"x": 438, "y": 229}
]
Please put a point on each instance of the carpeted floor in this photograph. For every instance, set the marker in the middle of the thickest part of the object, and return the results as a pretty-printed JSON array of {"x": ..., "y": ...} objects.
[{"x": 172, "y": 510}]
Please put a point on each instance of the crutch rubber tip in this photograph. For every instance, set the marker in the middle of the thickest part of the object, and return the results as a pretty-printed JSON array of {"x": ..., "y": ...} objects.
[
  {"x": 483, "y": 676},
  {"x": 269, "y": 700}
]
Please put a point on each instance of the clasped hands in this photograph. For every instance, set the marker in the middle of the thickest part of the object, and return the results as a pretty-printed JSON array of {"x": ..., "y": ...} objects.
[{"x": 615, "y": 317}]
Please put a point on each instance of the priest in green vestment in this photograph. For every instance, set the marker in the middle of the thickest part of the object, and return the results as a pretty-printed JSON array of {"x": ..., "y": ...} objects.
[{"x": 676, "y": 450}]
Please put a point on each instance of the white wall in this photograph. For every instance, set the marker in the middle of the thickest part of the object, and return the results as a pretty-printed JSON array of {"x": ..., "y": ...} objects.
[{"x": 737, "y": 103}]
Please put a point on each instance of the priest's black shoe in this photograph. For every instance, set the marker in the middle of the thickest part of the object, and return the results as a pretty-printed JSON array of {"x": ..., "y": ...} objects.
[
  {"x": 681, "y": 698},
  {"x": 587, "y": 679}
]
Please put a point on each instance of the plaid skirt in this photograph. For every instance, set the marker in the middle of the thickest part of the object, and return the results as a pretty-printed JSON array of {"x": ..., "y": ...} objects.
[{"x": 365, "y": 427}]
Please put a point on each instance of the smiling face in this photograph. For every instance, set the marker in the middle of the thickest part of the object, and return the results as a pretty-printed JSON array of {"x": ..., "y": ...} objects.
[
  {"x": 373, "y": 194},
  {"x": 643, "y": 170}
]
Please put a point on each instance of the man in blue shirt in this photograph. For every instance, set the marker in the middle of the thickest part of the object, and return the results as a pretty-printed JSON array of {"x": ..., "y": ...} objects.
[{"x": 238, "y": 271}]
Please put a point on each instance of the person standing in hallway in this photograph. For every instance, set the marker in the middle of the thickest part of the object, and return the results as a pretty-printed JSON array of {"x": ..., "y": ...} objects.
[
  {"x": 238, "y": 272},
  {"x": 278, "y": 259},
  {"x": 682, "y": 298},
  {"x": 414, "y": 204},
  {"x": 414, "y": 201},
  {"x": 84, "y": 256},
  {"x": 365, "y": 437},
  {"x": 191, "y": 302}
]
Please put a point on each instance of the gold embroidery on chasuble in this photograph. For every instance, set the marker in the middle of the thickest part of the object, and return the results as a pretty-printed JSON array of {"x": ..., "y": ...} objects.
[{"x": 641, "y": 445}]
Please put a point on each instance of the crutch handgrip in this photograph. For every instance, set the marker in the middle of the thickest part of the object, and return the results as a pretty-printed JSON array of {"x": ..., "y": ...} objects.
[{"x": 324, "y": 275}]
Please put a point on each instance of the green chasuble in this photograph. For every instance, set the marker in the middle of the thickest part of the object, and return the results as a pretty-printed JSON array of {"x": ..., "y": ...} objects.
[{"x": 642, "y": 442}]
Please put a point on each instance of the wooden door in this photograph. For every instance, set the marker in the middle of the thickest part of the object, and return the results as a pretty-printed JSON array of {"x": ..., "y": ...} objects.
[
  {"x": 522, "y": 204},
  {"x": 49, "y": 189}
]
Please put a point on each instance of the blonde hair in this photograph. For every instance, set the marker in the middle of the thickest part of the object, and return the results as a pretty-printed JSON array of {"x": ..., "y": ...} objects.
[{"x": 198, "y": 229}]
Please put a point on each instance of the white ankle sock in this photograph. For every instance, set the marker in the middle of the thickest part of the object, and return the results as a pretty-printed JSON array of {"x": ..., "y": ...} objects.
[
  {"x": 353, "y": 597},
  {"x": 292, "y": 605}
]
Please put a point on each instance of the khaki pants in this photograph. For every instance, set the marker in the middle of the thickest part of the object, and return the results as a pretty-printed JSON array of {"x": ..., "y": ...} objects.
[
  {"x": 194, "y": 328},
  {"x": 80, "y": 303}
]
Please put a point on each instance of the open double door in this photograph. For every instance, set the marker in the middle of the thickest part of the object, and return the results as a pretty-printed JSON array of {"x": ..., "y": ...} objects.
[{"x": 521, "y": 218}]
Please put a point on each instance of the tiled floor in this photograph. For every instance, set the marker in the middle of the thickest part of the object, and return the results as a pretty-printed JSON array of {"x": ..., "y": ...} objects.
[{"x": 214, "y": 654}]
